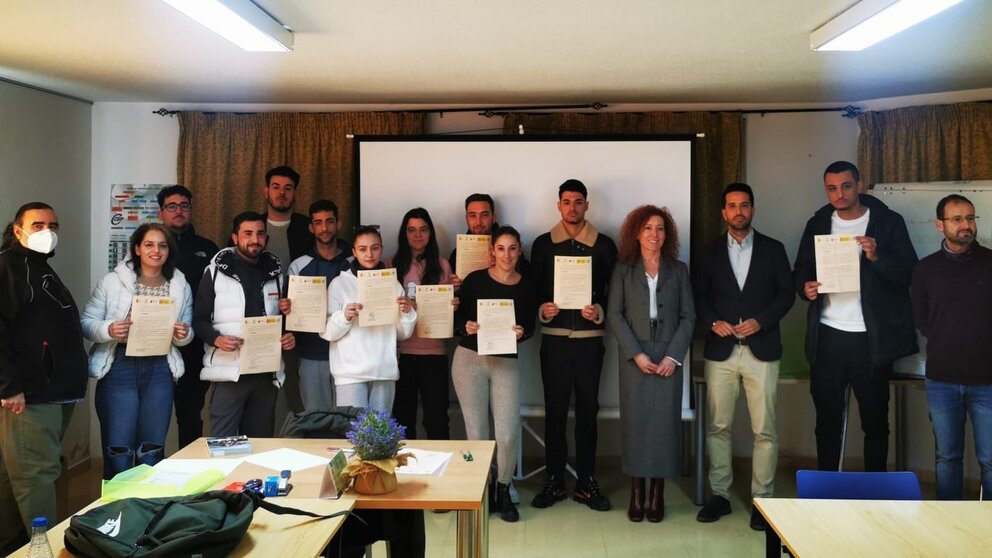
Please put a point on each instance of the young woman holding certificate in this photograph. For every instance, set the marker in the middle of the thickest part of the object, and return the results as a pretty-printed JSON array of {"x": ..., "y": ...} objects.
[
  {"x": 423, "y": 361},
  {"x": 493, "y": 380},
  {"x": 134, "y": 393},
  {"x": 650, "y": 313},
  {"x": 363, "y": 344}
]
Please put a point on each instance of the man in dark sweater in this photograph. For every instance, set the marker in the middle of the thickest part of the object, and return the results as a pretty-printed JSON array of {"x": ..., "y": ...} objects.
[
  {"x": 175, "y": 210},
  {"x": 952, "y": 305}
]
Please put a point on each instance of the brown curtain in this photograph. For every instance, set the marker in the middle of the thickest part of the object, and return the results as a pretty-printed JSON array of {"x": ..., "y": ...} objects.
[
  {"x": 717, "y": 158},
  {"x": 223, "y": 158},
  {"x": 926, "y": 144}
]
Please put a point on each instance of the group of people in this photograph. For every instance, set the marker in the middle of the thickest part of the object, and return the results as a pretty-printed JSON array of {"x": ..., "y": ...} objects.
[{"x": 741, "y": 288}]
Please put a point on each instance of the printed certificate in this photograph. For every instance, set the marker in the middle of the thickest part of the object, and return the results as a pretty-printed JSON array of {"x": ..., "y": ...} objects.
[
  {"x": 377, "y": 295},
  {"x": 153, "y": 321},
  {"x": 838, "y": 263},
  {"x": 473, "y": 253},
  {"x": 573, "y": 282},
  {"x": 261, "y": 350},
  {"x": 496, "y": 321},
  {"x": 435, "y": 315},
  {"x": 309, "y": 311}
]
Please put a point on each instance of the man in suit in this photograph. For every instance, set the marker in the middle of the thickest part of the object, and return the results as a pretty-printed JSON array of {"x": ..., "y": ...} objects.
[{"x": 743, "y": 288}]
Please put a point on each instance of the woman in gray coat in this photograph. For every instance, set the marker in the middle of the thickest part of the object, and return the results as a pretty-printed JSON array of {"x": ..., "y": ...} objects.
[{"x": 651, "y": 315}]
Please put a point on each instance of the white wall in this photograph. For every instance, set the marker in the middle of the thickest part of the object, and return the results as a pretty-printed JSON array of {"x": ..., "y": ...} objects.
[{"x": 45, "y": 156}]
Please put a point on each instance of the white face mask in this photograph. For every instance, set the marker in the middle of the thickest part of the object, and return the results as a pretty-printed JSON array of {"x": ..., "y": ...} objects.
[{"x": 43, "y": 241}]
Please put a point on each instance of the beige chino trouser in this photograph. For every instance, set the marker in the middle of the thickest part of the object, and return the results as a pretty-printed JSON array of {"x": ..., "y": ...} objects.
[{"x": 723, "y": 381}]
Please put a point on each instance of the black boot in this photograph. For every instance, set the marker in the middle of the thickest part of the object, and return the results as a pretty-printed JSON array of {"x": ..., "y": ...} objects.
[
  {"x": 507, "y": 511},
  {"x": 553, "y": 491}
]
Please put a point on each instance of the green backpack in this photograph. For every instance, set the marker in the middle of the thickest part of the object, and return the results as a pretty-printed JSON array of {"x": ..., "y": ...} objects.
[{"x": 210, "y": 524}]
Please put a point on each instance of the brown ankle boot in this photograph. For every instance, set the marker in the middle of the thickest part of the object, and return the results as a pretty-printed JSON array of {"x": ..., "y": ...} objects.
[
  {"x": 656, "y": 501},
  {"x": 635, "y": 511}
]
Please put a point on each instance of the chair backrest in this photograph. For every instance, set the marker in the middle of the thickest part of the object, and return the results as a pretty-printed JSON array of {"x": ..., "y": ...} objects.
[{"x": 835, "y": 485}]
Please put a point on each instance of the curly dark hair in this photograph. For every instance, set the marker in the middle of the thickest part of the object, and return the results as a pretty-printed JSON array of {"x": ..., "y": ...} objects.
[{"x": 630, "y": 248}]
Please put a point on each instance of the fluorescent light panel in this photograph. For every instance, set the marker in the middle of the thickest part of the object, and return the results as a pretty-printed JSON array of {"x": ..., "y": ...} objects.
[
  {"x": 239, "y": 21},
  {"x": 872, "y": 21}
]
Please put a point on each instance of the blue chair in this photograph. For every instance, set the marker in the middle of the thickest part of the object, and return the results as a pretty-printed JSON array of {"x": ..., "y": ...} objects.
[{"x": 835, "y": 485}]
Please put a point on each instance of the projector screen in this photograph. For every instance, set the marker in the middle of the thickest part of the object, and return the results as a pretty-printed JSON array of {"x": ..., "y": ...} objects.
[{"x": 396, "y": 174}]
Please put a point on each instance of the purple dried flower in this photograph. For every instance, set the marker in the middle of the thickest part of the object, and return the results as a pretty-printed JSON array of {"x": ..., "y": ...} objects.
[{"x": 376, "y": 435}]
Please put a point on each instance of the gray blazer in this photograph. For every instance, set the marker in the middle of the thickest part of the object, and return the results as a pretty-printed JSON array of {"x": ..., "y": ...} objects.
[{"x": 628, "y": 317}]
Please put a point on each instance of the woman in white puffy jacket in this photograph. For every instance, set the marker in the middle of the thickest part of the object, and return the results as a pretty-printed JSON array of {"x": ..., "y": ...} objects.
[
  {"x": 134, "y": 393},
  {"x": 363, "y": 359}
]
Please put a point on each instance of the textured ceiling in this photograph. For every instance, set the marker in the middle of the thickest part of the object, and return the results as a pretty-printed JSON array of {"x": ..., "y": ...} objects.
[{"x": 511, "y": 51}]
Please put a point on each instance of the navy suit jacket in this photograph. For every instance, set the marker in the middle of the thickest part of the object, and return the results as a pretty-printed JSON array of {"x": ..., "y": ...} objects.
[{"x": 767, "y": 296}]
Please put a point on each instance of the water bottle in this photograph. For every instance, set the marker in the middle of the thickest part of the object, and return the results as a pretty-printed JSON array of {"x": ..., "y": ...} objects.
[{"x": 39, "y": 547}]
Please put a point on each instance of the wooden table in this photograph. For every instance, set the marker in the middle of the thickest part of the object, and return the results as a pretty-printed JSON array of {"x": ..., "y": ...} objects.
[
  {"x": 462, "y": 488},
  {"x": 269, "y": 534},
  {"x": 850, "y": 528}
]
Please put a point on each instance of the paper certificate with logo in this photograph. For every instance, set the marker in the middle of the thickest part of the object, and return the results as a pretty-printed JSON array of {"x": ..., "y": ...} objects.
[
  {"x": 838, "y": 263},
  {"x": 153, "y": 321},
  {"x": 473, "y": 253},
  {"x": 262, "y": 349},
  {"x": 573, "y": 282},
  {"x": 377, "y": 295},
  {"x": 309, "y": 310},
  {"x": 496, "y": 320},
  {"x": 435, "y": 315}
]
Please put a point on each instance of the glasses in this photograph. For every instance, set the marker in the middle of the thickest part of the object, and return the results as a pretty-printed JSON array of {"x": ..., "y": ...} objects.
[
  {"x": 958, "y": 219},
  {"x": 174, "y": 207}
]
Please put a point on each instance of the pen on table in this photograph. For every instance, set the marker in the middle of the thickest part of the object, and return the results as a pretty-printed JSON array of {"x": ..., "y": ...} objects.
[{"x": 467, "y": 455}]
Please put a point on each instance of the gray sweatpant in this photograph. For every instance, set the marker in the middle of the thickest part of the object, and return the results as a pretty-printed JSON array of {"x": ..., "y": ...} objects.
[{"x": 484, "y": 381}]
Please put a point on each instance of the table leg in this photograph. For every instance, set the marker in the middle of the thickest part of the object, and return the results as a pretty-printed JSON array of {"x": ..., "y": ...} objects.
[
  {"x": 700, "y": 426},
  {"x": 473, "y": 531},
  {"x": 773, "y": 544}
]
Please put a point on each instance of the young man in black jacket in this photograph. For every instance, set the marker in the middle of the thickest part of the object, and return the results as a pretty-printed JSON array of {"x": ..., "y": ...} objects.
[
  {"x": 43, "y": 372},
  {"x": 852, "y": 338},
  {"x": 572, "y": 348},
  {"x": 175, "y": 210}
]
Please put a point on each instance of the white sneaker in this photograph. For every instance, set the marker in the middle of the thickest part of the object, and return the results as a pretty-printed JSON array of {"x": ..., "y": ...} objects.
[{"x": 514, "y": 495}]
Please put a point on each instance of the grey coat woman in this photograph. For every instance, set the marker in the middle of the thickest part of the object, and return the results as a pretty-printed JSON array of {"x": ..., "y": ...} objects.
[{"x": 652, "y": 346}]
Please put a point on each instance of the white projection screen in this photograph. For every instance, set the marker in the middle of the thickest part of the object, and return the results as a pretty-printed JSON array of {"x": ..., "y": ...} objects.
[{"x": 396, "y": 174}]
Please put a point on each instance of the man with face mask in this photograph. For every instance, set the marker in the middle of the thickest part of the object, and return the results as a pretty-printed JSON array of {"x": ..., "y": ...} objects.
[{"x": 42, "y": 372}]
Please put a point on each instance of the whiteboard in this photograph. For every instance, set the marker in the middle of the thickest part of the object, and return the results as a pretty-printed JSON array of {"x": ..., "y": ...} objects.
[
  {"x": 917, "y": 203},
  {"x": 396, "y": 174}
]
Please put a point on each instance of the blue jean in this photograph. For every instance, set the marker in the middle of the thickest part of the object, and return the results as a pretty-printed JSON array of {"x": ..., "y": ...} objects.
[
  {"x": 134, "y": 405},
  {"x": 949, "y": 403}
]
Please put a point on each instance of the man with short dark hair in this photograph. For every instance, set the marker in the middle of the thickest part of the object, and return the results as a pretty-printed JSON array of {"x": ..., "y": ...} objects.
[
  {"x": 572, "y": 348},
  {"x": 952, "y": 304},
  {"x": 852, "y": 338},
  {"x": 289, "y": 232},
  {"x": 175, "y": 210},
  {"x": 43, "y": 371},
  {"x": 480, "y": 218},
  {"x": 328, "y": 257},
  {"x": 743, "y": 288},
  {"x": 241, "y": 281}
]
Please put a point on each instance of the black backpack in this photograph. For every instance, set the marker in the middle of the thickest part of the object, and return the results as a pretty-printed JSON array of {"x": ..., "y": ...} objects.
[{"x": 210, "y": 524}]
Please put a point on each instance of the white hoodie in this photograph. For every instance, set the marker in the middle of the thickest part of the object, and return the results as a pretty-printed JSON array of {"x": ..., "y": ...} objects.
[{"x": 361, "y": 354}]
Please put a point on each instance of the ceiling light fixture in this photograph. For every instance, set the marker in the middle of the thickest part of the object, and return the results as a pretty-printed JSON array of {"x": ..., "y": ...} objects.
[
  {"x": 239, "y": 21},
  {"x": 872, "y": 21}
]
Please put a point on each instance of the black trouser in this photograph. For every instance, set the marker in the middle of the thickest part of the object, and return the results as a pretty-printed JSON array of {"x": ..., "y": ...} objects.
[
  {"x": 426, "y": 375},
  {"x": 567, "y": 364},
  {"x": 843, "y": 358},
  {"x": 190, "y": 393}
]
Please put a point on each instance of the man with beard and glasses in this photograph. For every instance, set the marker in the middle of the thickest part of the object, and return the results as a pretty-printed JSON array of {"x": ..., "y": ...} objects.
[
  {"x": 175, "y": 211},
  {"x": 572, "y": 348},
  {"x": 242, "y": 281},
  {"x": 743, "y": 288},
  {"x": 952, "y": 304},
  {"x": 327, "y": 258}
]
